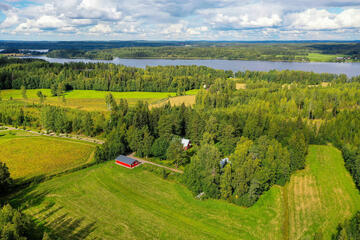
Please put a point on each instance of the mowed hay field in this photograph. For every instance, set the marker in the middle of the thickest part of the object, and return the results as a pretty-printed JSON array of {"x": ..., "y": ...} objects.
[
  {"x": 321, "y": 196},
  {"x": 89, "y": 100},
  {"x": 189, "y": 99},
  {"x": 111, "y": 202},
  {"x": 239, "y": 86},
  {"x": 30, "y": 156},
  {"x": 177, "y": 101}
]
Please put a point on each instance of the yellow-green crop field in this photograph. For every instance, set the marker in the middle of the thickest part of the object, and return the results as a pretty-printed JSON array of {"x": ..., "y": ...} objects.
[
  {"x": 28, "y": 155},
  {"x": 107, "y": 201}
]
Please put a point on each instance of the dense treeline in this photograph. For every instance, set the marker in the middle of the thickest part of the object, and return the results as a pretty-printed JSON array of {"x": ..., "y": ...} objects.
[
  {"x": 52, "y": 119},
  {"x": 241, "y": 51},
  {"x": 265, "y": 52},
  {"x": 110, "y": 77},
  {"x": 273, "y": 50},
  {"x": 289, "y": 76},
  {"x": 107, "y": 77},
  {"x": 352, "y": 49},
  {"x": 349, "y": 230}
]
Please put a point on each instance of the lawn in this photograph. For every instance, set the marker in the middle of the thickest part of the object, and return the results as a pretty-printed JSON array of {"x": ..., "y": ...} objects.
[
  {"x": 89, "y": 100},
  {"x": 27, "y": 155},
  {"x": 111, "y": 202}
]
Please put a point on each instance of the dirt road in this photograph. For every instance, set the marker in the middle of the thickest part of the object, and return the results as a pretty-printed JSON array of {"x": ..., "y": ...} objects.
[
  {"x": 76, "y": 137},
  {"x": 155, "y": 164}
]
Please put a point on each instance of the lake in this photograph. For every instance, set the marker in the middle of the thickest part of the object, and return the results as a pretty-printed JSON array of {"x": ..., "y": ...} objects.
[{"x": 350, "y": 69}]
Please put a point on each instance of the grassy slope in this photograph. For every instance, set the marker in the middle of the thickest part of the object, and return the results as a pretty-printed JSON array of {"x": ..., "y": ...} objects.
[
  {"x": 29, "y": 156},
  {"x": 111, "y": 202},
  {"x": 322, "y": 195}
]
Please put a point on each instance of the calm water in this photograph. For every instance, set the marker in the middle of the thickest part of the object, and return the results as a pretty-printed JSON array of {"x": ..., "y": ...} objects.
[{"x": 350, "y": 69}]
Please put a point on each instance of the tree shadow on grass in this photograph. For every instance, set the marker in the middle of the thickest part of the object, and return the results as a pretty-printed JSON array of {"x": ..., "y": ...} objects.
[
  {"x": 66, "y": 227},
  {"x": 28, "y": 198},
  {"x": 51, "y": 217}
]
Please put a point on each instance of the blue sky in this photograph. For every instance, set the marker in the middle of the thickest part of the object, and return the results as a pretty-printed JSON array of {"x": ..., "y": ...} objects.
[{"x": 179, "y": 20}]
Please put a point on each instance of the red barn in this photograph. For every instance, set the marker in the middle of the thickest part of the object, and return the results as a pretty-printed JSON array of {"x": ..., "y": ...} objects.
[{"x": 126, "y": 161}]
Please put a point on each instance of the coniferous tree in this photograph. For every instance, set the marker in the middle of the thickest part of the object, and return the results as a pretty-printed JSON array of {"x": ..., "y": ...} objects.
[
  {"x": 175, "y": 152},
  {"x": 5, "y": 179}
]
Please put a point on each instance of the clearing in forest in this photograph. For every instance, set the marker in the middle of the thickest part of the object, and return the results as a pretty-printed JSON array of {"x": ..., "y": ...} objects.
[
  {"x": 177, "y": 101},
  {"x": 239, "y": 86},
  {"x": 110, "y": 202}
]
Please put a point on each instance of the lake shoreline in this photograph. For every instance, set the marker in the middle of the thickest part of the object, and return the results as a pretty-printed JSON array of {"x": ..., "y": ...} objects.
[{"x": 351, "y": 69}]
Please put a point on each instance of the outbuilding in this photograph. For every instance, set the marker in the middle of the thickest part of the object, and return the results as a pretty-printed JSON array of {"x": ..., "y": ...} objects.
[
  {"x": 223, "y": 162},
  {"x": 186, "y": 143},
  {"x": 126, "y": 161}
]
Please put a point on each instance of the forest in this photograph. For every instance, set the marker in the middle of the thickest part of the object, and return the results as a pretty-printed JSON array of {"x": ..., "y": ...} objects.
[
  {"x": 263, "y": 130},
  {"x": 33, "y": 74},
  {"x": 289, "y": 52}
]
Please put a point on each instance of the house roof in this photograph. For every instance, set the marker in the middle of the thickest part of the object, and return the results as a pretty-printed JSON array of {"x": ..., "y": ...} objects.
[
  {"x": 224, "y": 161},
  {"x": 185, "y": 142},
  {"x": 125, "y": 159}
]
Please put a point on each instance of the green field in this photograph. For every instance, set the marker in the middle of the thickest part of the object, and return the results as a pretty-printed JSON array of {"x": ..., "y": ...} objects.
[
  {"x": 89, "y": 100},
  {"x": 319, "y": 57},
  {"x": 110, "y": 202},
  {"x": 27, "y": 155}
]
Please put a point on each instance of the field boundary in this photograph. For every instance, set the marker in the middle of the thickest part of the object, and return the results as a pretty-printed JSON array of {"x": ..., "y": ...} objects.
[{"x": 285, "y": 226}]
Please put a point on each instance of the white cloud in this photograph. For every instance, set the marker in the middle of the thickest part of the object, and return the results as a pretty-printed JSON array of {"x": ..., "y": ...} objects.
[
  {"x": 100, "y": 28},
  {"x": 197, "y": 30},
  {"x": 321, "y": 19},
  {"x": 27, "y": 27},
  {"x": 349, "y": 18},
  {"x": 10, "y": 20},
  {"x": 175, "y": 28},
  {"x": 184, "y": 19},
  {"x": 245, "y": 21},
  {"x": 49, "y": 22},
  {"x": 244, "y": 16}
]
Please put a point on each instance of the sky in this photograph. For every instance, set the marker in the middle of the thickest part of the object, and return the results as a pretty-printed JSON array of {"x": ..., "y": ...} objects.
[{"x": 241, "y": 20}]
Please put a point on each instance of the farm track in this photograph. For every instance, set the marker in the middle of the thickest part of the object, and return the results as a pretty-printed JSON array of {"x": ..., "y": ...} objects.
[
  {"x": 155, "y": 164},
  {"x": 74, "y": 137}
]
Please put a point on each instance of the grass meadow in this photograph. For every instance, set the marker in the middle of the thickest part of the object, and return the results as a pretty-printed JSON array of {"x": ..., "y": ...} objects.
[
  {"x": 28, "y": 155},
  {"x": 107, "y": 201},
  {"x": 319, "y": 57},
  {"x": 91, "y": 100}
]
